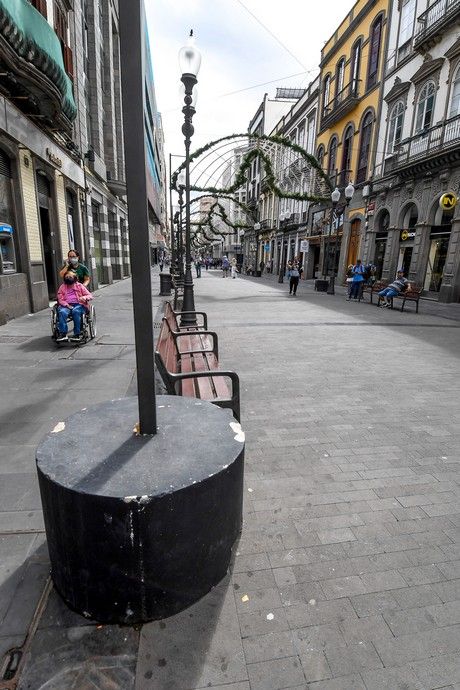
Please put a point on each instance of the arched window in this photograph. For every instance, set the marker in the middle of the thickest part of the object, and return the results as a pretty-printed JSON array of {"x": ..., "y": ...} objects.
[
  {"x": 364, "y": 147},
  {"x": 356, "y": 66},
  {"x": 425, "y": 107},
  {"x": 396, "y": 121},
  {"x": 347, "y": 153},
  {"x": 374, "y": 52},
  {"x": 326, "y": 92},
  {"x": 455, "y": 98},
  {"x": 340, "y": 80},
  {"x": 332, "y": 158},
  {"x": 320, "y": 155}
]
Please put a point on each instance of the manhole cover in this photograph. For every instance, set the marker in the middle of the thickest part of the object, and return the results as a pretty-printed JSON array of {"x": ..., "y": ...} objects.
[{"x": 14, "y": 338}]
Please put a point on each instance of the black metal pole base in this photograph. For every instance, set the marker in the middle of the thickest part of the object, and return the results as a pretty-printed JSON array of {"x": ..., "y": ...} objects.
[
  {"x": 165, "y": 284},
  {"x": 140, "y": 527},
  {"x": 331, "y": 286},
  {"x": 188, "y": 302}
]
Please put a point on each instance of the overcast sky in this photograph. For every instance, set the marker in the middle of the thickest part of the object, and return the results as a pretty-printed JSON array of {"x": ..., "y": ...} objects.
[{"x": 243, "y": 44}]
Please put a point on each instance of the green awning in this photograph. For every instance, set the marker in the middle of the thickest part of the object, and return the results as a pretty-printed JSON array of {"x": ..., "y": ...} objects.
[{"x": 33, "y": 39}]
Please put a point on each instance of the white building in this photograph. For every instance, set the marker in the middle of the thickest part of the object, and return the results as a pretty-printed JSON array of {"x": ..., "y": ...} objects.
[{"x": 418, "y": 150}]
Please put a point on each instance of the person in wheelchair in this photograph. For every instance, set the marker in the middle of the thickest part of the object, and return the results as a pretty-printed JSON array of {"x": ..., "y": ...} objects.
[{"x": 73, "y": 298}]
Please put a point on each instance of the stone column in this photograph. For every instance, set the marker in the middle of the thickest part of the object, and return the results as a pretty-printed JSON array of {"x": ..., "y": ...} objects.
[
  {"x": 391, "y": 254},
  {"x": 420, "y": 254},
  {"x": 450, "y": 288}
]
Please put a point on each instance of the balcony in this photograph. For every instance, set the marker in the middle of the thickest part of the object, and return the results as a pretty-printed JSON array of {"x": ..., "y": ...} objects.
[
  {"x": 441, "y": 141},
  {"x": 341, "y": 104},
  {"x": 32, "y": 71},
  {"x": 433, "y": 22}
]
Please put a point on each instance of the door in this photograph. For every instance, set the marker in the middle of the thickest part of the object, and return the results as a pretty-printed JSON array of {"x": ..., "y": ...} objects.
[
  {"x": 97, "y": 241},
  {"x": 436, "y": 262},
  {"x": 405, "y": 258},
  {"x": 47, "y": 234},
  {"x": 353, "y": 242},
  {"x": 379, "y": 256}
]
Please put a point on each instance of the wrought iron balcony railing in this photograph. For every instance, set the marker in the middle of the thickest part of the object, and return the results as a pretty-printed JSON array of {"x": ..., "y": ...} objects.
[
  {"x": 426, "y": 144},
  {"x": 343, "y": 101},
  {"x": 434, "y": 21}
]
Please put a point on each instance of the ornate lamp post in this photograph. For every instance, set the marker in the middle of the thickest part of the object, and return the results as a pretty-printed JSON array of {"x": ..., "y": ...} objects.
[
  {"x": 284, "y": 215},
  {"x": 189, "y": 60},
  {"x": 335, "y": 197},
  {"x": 180, "y": 227}
]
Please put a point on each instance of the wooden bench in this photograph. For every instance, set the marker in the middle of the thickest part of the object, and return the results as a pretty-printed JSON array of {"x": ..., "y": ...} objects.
[
  {"x": 373, "y": 289},
  {"x": 194, "y": 371},
  {"x": 171, "y": 316},
  {"x": 412, "y": 295}
]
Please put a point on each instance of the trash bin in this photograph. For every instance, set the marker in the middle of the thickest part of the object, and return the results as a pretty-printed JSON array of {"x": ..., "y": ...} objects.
[
  {"x": 165, "y": 284},
  {"x": 321, "y": 285}
]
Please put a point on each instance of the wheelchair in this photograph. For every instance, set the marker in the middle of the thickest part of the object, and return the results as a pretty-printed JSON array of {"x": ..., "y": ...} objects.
[{"x": 88, "y": 326}]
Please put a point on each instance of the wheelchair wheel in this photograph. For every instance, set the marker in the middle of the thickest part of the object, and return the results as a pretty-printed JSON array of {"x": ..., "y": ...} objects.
[
  {"x": 92, "y": 324},
  {"x": 53, "y": 322}
]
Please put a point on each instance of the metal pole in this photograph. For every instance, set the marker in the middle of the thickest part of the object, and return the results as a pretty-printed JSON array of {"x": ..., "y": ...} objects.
[
  {"x": 132, "y": 60},
  {"x": 188, "y": 303},
  {"x": 331, "y": 286},
  {"x": 173, "y": 248},
  {"x": 282, "y": 263},
  {"x": 180, "y": 260}
]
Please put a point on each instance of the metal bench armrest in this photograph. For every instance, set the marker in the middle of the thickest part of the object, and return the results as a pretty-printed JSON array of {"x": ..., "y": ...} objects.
[{"x": 232, "y": 375}]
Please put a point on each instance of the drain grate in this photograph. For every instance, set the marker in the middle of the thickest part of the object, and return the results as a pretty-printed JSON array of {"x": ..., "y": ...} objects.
[{"x": 14, "y": 338}]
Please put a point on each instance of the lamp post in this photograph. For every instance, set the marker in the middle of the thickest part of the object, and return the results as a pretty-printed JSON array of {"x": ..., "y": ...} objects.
[
  {"x": 256, "y": 238},
  {"x": 284, "y": 215},
  {"x": 189, "y": 60},
  {"x": 180, "y": 235},
  {"x": 335, "y": 197}
]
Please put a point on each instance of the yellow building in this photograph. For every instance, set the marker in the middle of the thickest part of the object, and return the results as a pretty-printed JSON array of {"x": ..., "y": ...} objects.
[{"x": 352, "y": 68}]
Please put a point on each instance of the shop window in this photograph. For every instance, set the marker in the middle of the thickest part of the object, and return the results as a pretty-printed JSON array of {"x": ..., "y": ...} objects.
[
  {"x": 374, "y": 53},
  {"x": 396, "y": 127},
  {"x": 425, "y": 107},
  {"x": 364, "y": 147}
]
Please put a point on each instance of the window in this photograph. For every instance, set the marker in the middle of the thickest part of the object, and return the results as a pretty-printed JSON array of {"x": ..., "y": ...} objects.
[
  {"x": 374, "y": 53},
  {"x": 355, "y": 66},
  {"x": 332, "y": 159},
  {"x": 320, "y": 155},
  {"x": 310, "y": 143},
  {"x": 301, "y": 135},
  {"x": 364, "y": 147},
  {"x": 406, "y": 26},
  {"x": 327, "y": 92},
  {"x": 347, "y": 151},
  {"x": 425, "y": 107},
  {"x": 340, "y": 77},
  {"x": 455, "y": 98},
  {"x": 395, "y": 127},
  {"x": 40, "y": 5}
]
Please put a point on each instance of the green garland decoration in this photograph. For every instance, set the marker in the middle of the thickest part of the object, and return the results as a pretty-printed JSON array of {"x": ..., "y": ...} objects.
[{"x": 269, "y": 180}]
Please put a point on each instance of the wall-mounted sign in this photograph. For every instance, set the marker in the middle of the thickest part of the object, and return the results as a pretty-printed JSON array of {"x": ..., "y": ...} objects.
[
  {"x": 448, "y": 201},
  {"x": 53, "y": 158},
  {"x": 371, "y": 206},
  {"x": 304, "y": 245},
  {"x": 407, "y": 235},
  {"x": 5, "y": 227}
]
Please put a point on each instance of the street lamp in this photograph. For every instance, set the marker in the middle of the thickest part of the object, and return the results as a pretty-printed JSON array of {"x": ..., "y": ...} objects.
[
  {"x": 180, "y": 226},
  {"x": 335, "y": 198},
  {"x": 284, "y": 215},
  {"x": 189, "y": 61}
]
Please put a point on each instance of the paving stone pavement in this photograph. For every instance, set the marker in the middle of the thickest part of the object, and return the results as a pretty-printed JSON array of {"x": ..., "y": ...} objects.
[{"x": 347, "y": 573}]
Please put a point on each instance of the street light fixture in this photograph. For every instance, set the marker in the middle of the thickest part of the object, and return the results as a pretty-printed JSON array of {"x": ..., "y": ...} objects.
[
  {"x": 189, "y": 61},
  {"x": 335, "y": 198}
]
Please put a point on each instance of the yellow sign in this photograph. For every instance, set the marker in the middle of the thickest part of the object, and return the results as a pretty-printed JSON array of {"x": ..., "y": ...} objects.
[
  {"x": 404, "y": 235},
  {"x": 448, "y": 201}
]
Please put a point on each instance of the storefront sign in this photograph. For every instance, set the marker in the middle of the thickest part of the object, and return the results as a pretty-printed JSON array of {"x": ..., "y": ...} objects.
[
  {"x": 371, "y": 208},
  {"x": 5, "y": 227},
  {"x": 53, "y": 158},
  {"x": 304, "y": 245},
  {"x": 448, "y": 201},
  {"x": 407, "y": 235}
]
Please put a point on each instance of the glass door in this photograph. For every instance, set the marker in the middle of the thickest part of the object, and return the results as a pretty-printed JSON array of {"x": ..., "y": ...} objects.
[{"x": 436, "y": 262}]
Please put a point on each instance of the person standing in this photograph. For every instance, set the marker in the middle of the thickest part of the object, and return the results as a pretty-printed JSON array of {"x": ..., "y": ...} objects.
[
  {"x": 357, "y": 282},
  {"x": 294, "y": 277},
  {"x": 233, "y": 267},
  {"x": 73, "y": 263},
  {"x": 198, "y": 267},
  {"x": 225, "y": 266}
]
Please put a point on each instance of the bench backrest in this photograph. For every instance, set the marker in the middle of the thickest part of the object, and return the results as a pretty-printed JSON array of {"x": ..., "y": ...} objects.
[
  {"x": 170, "y": 317},
  {"x": 167, "y": 348}
]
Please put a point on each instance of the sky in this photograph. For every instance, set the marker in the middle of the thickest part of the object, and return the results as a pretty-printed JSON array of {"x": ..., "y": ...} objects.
[{"x": 243, "y": 44}]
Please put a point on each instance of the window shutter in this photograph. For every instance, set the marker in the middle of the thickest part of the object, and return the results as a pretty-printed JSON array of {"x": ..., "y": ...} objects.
[
  {"x": 5, "y": 165},
  {"x": 68, "y": 61}
]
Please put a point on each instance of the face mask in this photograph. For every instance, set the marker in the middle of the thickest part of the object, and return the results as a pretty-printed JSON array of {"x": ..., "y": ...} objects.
[
  {"x": 69, "y": 281},
  {"x": 74, "y": 260}
]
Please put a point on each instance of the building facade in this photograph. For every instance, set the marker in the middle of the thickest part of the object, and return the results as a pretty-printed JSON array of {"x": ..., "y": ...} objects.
[
  {"x": 352, "y": 69},
  {"x": 62, "y": 181},
  {"x": 414, "y": 218}
]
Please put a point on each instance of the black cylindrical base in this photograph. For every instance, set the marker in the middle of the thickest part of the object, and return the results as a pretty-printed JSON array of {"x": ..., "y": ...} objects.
[
  {"x": 321, "y": 285},
  {"x": 165, "y": 284},
  {"x": 139, "y": 528}
]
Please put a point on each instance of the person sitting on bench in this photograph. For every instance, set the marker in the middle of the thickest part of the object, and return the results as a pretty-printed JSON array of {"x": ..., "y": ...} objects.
[{"x": 400, "y": 284}]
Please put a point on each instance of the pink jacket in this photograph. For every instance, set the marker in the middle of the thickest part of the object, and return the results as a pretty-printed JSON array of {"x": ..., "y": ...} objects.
[{"x": 80, "y": 290}]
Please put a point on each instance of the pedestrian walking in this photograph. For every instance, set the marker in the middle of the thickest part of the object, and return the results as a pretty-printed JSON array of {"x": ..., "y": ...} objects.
[
  {"x": 294, "y": 277},
  {"x": 233, "y": 268},
  {"x": 357, "y": 282},
  {"x": 198, "y": 267},
  {"x": 225, "y": 267}
]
